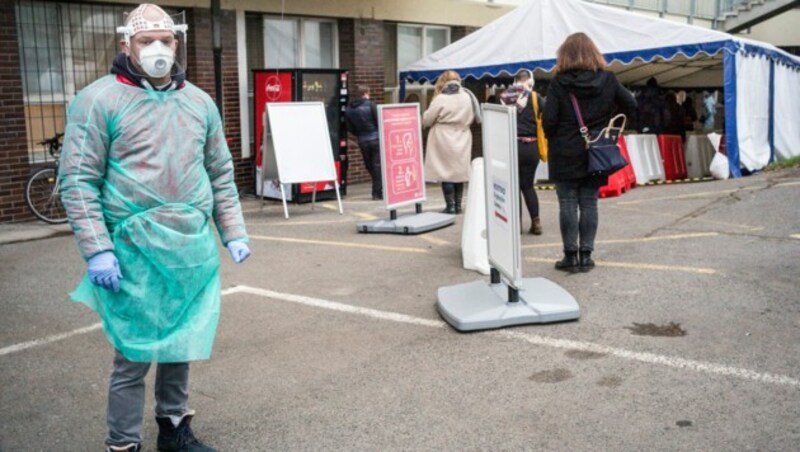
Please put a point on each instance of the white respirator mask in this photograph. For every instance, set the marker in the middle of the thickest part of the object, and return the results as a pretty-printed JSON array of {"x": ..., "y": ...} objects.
[{"x": 157, "y": 59}]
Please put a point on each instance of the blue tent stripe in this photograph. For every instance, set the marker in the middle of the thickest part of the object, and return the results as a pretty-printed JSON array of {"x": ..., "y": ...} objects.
[
  {"x": 771, "y": 126},
  {"x": 731, "y": 132}
]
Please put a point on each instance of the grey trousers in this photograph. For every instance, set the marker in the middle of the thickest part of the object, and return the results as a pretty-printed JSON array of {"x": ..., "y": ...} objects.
[
  {"x": 126, "y": 394},
  {"x": 578, "y": 216}
]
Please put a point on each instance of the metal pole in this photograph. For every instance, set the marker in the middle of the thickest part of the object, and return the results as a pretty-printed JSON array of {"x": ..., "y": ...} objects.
[{"x": 216, "y": 40}]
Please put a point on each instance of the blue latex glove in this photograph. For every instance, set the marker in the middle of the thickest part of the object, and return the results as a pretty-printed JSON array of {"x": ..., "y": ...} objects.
[
  {"x": 104, "y": 270},
  {"x": 239, "y": 251}
]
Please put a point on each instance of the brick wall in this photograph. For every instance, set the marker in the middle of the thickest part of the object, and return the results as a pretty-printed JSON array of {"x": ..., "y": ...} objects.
[
  {"x": 14, "y": 167},
  {"x": 200, "y": 71},
  {"x": 459, "y": 32},
  {"x": 361, "y": 53}
]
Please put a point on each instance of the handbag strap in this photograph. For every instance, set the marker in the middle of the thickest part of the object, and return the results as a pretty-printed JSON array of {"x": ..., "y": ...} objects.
[{"x": 583, "y": 129}]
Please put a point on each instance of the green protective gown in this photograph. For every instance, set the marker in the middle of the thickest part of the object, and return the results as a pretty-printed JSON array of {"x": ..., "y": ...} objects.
[{"x": 141, "y": 173}]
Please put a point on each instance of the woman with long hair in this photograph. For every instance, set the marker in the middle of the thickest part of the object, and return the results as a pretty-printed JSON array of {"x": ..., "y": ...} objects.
[
  {"x": 449, "y": 148},
  {"x": 580, "y": 72}
]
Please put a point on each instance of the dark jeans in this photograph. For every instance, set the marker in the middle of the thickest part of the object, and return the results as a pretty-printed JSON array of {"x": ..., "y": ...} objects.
[
  {"x": 578, "y": 216},
  {"x": 528, "y": 161},
  {"x": 371, "y": 152}
]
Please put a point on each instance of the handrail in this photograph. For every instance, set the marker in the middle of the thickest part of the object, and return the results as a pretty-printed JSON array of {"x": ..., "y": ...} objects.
[{"x": 700, "y": 9}]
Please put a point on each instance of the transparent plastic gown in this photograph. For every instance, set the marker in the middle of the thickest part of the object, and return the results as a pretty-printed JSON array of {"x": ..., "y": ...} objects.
[{"x": 142, "y": 173}]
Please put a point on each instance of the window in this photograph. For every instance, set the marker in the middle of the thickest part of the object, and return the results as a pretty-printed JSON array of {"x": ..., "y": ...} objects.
[
  {"x": 62, "y": 49},
  {"x": 299, "y": 43},
  {"x": 404, "y": 44}
]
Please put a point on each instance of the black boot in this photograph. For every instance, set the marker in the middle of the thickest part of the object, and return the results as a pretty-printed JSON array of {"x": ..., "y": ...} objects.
[
  {"x": 586, "y": 263},
  {"x": 449, "y": 190},
  {"x": 459, "y": 196},
  {"x": 569, "y": 263},
  {"x": 180, "y": 438}
]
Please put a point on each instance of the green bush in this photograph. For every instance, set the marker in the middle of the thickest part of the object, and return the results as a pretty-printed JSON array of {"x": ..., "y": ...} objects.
[{"x": 791, "y": 163}]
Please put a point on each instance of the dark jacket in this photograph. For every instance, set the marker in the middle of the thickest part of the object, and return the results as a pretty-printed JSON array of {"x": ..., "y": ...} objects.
[
  {"x": 362, "y": 120},
  {"x": 651, "y": 108},
  {"x": 600, "y": 96}
]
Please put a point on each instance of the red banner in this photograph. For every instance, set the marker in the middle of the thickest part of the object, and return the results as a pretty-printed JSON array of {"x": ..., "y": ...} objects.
[
  {"x": 401, "y": 149},
  {"x": 268, "y": 87}
]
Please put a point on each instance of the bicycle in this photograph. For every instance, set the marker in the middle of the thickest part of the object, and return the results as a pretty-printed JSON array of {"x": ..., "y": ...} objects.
[{"x": 42, "y": 193}]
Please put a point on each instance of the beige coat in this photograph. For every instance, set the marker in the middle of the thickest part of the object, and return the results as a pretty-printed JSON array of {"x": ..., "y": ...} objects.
[{"x": 449, "y": 149}]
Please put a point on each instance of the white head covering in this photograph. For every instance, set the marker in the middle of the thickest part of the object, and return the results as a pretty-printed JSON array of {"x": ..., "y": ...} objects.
[{"x": 148, "y": 17}]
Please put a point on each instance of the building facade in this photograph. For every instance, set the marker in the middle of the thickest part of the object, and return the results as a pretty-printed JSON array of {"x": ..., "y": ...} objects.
[{"x": 52, "y": 49}]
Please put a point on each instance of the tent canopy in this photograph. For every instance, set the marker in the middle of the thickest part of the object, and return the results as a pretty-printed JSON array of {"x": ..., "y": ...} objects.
[
  {"x": 636, "y": 46},
  {"x": 761, "y": 83}
]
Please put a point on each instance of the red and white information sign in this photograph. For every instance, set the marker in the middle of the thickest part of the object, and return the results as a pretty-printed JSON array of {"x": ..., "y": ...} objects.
[{"x": 401, "y": 154}]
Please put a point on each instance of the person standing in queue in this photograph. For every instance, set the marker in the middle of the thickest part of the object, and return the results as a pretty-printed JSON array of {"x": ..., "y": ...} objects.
[
  {"x": 520, "y": 94},
  {"x": 145, "y": 171},
  {"x": 362, "y": 120},
  {"x": 449, "y": 150},
  {"x": 580, "y": 71}
]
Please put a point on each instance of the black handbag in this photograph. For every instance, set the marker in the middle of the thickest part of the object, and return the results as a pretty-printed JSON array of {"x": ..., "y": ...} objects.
[{"x": 605, "y": 157}]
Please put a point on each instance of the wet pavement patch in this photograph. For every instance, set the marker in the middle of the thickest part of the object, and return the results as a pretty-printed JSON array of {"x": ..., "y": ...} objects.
[
  {"x": 684, "y": 423},
  {"x": 610, "y": 381},
  {"x": 551, "y": 376},
  {"x": 672, "y": 329},
  {"x": 584, "y": 354}
]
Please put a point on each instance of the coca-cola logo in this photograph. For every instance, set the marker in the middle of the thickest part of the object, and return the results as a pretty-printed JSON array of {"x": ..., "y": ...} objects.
[{"x": 273, "y": 88}]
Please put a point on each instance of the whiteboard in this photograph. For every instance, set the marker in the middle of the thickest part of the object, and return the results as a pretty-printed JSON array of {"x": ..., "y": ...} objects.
[
  {"x": 300, "y": 141},
  {"x": 499, "y": 126}
]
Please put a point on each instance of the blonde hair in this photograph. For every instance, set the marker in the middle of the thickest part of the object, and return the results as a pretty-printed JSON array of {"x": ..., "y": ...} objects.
[
  {"x": 578, "y": 51},
  {"x": 447, "y": 76}
]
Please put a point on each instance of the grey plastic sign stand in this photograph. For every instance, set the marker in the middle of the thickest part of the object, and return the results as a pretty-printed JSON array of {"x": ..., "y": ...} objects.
[
  {"x": 508, "y": 299},
  {"x": 400, "y": 137},
  {"x": 407, "y": 224},
  {"x": 482, "y": 306}
]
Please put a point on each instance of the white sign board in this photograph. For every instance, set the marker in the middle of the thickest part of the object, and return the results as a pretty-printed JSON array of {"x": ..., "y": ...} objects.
[
  {"x": 502, "y": 191},
  {"x": 300, "y": 141}
]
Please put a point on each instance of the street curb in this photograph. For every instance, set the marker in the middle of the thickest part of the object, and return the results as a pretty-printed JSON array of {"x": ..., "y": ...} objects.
[{"x": 27, "y": 232}]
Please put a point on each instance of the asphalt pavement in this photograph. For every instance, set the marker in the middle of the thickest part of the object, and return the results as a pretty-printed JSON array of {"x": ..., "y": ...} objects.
[{"x": 329, "y": 339}]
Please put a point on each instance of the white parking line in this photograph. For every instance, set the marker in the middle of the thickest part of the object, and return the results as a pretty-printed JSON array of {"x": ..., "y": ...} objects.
[
  {"x": 59, "y": 337},
  {"x": 566, "y": 344},
  {"x": 47, "y": 340},
  {"x": 644, "y": 357}
]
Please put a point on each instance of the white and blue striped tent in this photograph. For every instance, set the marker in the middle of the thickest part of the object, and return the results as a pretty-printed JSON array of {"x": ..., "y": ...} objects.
[{"x": 761, "y": 83}]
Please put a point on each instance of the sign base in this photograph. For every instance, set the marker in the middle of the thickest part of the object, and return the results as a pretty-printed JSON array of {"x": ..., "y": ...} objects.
[
  {"x": 481, "y": 306},
  {"x": 409, "y": 224}
]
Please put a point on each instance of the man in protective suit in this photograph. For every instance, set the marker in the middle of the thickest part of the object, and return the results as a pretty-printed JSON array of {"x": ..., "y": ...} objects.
[{"x": 144, "y": 168}]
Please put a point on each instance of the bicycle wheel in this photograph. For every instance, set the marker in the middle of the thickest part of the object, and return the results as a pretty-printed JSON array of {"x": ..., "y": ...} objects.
[{"x": 43, "y": 197}]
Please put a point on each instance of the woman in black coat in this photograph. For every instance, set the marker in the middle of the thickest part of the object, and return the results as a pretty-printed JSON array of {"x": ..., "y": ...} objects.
[{"x": 579, "y": 71}]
